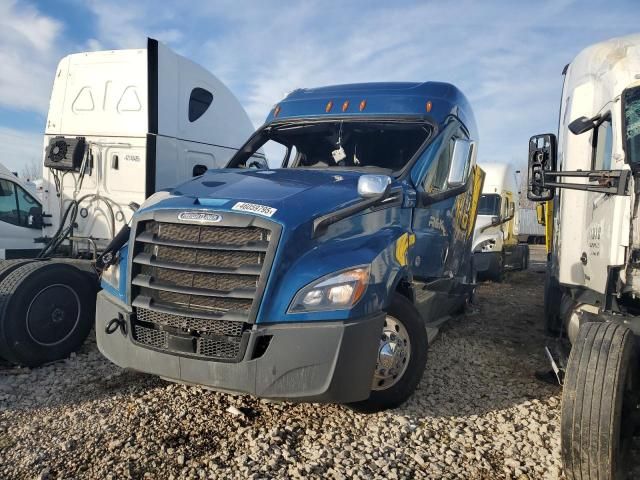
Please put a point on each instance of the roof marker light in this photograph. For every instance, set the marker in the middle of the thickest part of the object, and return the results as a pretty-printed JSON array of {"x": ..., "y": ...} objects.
[
  {"x": 345, "y": 105},
  {"x": 276, "y": 111},
  {"x": 429, "y": 105},
  {"x": 329, "y": 106},
  {"x": 363, "y": 104}
]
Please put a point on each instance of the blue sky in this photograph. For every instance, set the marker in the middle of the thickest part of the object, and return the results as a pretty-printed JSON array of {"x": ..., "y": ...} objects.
[{"x": 507, "y": 56}]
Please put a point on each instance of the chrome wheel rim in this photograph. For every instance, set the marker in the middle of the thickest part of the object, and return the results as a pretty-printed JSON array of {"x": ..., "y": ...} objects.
[{"x": 393, "y": 354}]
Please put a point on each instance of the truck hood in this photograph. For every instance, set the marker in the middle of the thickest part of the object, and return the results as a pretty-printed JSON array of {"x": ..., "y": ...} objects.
[{"x": 292, "y": 195}]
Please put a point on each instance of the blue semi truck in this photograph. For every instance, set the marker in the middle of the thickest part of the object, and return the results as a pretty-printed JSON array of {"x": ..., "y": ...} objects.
[{"x": 316, "y": 280}]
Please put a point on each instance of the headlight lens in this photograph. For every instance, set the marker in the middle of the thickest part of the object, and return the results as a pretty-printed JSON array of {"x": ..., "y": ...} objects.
[
  {"x": 337, "y": 291},
  {"x": 112, "y": 274},
  {"x": 486, "y": 246}
]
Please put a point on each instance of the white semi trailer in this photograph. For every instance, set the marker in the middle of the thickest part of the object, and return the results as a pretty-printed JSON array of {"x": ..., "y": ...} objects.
[
  {"x": 591, "y": 172},
  {"x": 495, "y": 240},
  {"x": 122, "y": 124}
]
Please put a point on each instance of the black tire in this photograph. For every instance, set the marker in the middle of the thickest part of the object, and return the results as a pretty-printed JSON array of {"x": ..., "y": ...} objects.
[
  {"x": 496, "y": 272},
  {"x": 598, "y": 403},
  {"x": 46, "y": 312},
  {"x": 403, "y": 311},
  {"x": 526, "y": 257},
  {"x": 8, "y": 266}
]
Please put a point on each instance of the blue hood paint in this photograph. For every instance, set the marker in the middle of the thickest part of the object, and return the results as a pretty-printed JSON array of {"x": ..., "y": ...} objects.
[{"x": 298, "y": 195}]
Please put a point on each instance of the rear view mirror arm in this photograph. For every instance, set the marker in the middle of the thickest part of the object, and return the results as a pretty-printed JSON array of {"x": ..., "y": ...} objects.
[
  {"x": 608, "y": 181},
  {"x": 501, "y": 222}
]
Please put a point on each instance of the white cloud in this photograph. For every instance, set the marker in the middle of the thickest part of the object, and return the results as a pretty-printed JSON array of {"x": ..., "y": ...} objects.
[
  {"x": 28, "y": 56},
  {"x": 20, "y": 148}
]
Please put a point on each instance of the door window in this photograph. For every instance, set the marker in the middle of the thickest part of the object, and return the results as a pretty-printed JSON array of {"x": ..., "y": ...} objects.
[
  {"x": 8, "y": 203},
  {"x": 602, "y": 143},
  {"x": 436, "y": 178},
  {"x": 25, "y": 205}
]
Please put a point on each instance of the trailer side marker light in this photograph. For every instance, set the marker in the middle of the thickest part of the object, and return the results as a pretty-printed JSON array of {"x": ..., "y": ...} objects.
[
  {"x": 329, "y": 106},
  {"x": 345, "y": 105},
  {"x": 276, "y": 111},
  {"x": 363, "y": 104},
  {"x": 429, "y": 105}
]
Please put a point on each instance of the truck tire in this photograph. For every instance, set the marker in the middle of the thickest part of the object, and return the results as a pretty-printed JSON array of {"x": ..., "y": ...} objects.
[
  {"x": 525, "y": 257},
  {"x": 401, "y": 359},
  {"x": 496, "y": 272},
  {"x": 598, "y": 403},
  {"x": 8, "y": 266},
  {"x": 46, "y": 312}
]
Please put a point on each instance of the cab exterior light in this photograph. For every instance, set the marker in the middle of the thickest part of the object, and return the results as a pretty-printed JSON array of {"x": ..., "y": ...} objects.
[
  {"x": 345, "y": 105},
  {"x": 428, "y": 106},
  {"x": 329, "y": 106},
  {"x": 276, "y": 110},
  {"x": 363, "y": 104},
  {"x": 336, "y": 291}
]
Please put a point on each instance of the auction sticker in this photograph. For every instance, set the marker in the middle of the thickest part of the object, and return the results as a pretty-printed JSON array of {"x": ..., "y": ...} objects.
[{"x": 254, "y": 208}]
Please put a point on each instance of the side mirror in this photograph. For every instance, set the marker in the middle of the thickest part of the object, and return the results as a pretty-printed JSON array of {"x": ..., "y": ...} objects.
[
  {"x": 459, "y": 162},
  {"x": 542, "y": 159},
  {"x": 371, "y": 186},
  {"x": 35, "y": 219},
  {"x": 199, "y": 170},
  {"x": 583, "y": 124}
]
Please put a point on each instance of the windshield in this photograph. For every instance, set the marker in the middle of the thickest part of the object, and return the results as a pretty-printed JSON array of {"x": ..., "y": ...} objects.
[
  {"x": 344, "y": 144},
  {"x": 489, "y": 205},
  {"x": 631, "y": 103}
]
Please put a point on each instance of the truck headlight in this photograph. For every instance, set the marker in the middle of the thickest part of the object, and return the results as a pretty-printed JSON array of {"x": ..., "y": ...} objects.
[
  {"x": 485, "y": 246},
  {"x": 335, "y": 291},
  {"x": 111, "y": 275}
]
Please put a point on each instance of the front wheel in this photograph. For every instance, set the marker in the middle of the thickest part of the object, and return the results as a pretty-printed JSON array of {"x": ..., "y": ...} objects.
[
  {"x": 599, "y": 402},
  {"x": 402, "y": 356}
]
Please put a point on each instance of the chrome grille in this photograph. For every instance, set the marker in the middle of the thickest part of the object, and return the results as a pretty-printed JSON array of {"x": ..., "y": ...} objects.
[
  {"x": 197, "y": 282},
  {"x": 218, "y": 349},
  {"x": 217, "y": 327},
  {"x": 149, "y": 336}
]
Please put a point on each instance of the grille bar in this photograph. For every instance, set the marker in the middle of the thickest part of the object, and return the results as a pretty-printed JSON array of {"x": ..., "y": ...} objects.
[
  {"x": 143, "y": 301},
  {"x": 145, "y": 258},
  {"x": 149, "y": 237},
  {"x": 151, "y": 282}
]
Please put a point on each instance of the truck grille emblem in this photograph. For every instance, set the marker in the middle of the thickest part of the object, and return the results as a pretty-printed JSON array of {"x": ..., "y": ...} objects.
[{"x": 201, "y": 217}]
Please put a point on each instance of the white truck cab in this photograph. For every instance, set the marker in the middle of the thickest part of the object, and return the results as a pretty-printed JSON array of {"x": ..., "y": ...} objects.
[
  {"x": 122, "y": 125},
  {"x": 19, "y": 212},
  {"x": 495, "y": 239},
  {"x": 591, "y": 173}
]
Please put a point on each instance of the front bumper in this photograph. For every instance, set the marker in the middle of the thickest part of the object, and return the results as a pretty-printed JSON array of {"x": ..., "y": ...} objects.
[
  {"x": 486, "y": 262},
  {"x": 312, "y": 362}
]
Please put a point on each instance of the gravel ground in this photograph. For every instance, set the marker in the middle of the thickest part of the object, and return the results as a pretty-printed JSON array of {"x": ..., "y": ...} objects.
[{"x": 478, "y": 413}]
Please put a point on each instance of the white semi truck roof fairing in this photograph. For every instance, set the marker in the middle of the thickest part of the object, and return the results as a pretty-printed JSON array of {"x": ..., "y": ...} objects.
[{"x": 148, "y": 117}]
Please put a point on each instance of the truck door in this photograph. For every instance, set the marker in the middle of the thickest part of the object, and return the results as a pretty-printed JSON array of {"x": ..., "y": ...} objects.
[
  {"x": 443, "y": 219},
  {"x": 607, "y": 231},
  {"x": 17, "y": 228}
]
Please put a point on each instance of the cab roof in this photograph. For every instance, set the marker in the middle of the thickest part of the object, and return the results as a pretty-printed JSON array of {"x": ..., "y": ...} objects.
[{"x": 432, "y": 100}]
